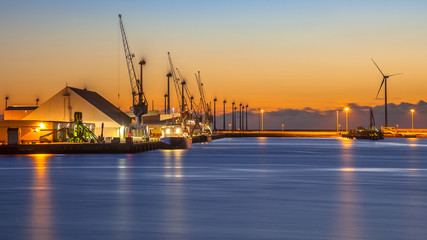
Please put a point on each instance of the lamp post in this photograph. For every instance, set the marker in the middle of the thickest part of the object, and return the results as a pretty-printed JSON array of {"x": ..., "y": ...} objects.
[
  {"x": 166, "y": 108},
  {"x": 412, "y": 113},
  {"x": 214, "y": 120},
  {"x": 283, "y": 126},
  {"x": 259, "y": 119},
  {"x": 346, "y": 118},
  {"x": 262, "y": 120},
  {"x": 6, "y": 98},
  {"x": 246, "y": 117},
  {"x": 240, "y": 117},
  {"x": 141, "y": 86},
  {"x": 232, "y": 115},
  {"x": 337, "y": 121},
  {"x": 169, "y": 99},
  {"x": 235, "y": 117},
  {"x": 224, "y": 112},
  {"x": 243, "y": 117}
]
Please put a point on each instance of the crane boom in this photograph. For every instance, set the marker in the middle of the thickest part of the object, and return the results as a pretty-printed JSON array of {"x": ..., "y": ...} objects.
[
  {"x": 201, "y": 91},
  {"x": 139, "y": 102},
  {"x": 176, "y": 80}
]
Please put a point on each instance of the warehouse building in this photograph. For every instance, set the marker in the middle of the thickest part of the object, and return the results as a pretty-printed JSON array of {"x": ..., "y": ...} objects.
[{"x": 57, "y": 112}]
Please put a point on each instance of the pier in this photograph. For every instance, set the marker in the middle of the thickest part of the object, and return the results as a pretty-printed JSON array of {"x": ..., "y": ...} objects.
[{"x": 79, "y": 148}]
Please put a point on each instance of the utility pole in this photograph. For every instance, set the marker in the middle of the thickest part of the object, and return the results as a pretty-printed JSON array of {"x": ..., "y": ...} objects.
[
  {"x": 37, "y": 101},
  {"x": 6, "y": 98}
]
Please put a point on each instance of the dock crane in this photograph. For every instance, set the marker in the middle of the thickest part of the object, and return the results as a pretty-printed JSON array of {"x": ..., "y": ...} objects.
[
  {"x": 177, "y": 83},
  {"x": 139, "y": 103},
  {"x": 205, "y": 107}
]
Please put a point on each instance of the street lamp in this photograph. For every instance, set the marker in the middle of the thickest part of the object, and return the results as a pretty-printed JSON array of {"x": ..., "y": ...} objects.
[
  {"x": 240, "y": 117},
  {"x": 247, "y": 117},
  {"x": 224, "y": 112},
  {"x": 346, "y": 118},
  {"x": 412, "y": 113},
  {"x": 262, "y": 120},
  {"x": 232, "y": 115},
  {"x": 337, "y": 121},
  {"x": 166, "y": 108},
  {"x": 214, "y": 119},
  {"x": 283, "y": 125},
  {"x": 243, "y": 117}
]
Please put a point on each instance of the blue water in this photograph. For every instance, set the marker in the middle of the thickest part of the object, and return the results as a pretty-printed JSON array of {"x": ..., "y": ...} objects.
[{"x": 247, "y": 188}]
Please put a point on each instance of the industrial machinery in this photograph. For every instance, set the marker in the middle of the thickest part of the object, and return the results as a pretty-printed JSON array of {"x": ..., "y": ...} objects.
[
  {"x": 139, "y": 103},
  {"x": 190, "y": 113},
  {"x": 205, "y": 108},
  {"x": 78, "y": 132}
]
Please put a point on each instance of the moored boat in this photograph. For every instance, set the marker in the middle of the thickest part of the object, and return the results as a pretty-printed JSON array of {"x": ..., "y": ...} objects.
[{"x": 174, "y": 136}]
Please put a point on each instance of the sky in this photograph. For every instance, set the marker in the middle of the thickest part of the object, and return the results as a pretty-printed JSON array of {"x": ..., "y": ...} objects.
[{"x": 274, "y": 55}]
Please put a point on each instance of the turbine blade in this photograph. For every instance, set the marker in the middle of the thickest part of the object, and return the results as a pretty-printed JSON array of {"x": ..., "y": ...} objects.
[
  {"x": 378, "y": 67},
  {"x": 382, "y": 83},
  {"x": 395, "y": 74}
]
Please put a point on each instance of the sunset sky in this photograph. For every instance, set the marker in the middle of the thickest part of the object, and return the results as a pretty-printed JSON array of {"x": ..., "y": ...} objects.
[{"x": 269, "y": 54}]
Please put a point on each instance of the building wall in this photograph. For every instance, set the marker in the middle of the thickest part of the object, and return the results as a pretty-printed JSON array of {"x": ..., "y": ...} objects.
[
  {"x": 62, "y": 106},
  {"x": 30, "y": 130},
  {"x": 16, "y": 114}
]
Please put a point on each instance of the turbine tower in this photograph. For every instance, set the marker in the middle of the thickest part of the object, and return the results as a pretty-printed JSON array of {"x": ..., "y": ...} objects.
[{"x": 384, "y": 82}]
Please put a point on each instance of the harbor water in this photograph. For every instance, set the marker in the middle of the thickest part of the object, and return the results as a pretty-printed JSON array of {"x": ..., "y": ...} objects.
[{"x": 240, "y": 188}]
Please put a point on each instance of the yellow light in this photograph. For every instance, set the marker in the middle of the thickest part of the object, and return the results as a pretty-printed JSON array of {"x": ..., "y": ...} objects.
[
  {"x": 347, "y": 169},
  {"x": 346, "y": 109},
  {"x": 42, "y": 126},
  {"x": 178, "y": 130},
  {"x": 412, "y": 110},
  {"x": 262, "y": 110},
  {"x": 168, "y": 131}
]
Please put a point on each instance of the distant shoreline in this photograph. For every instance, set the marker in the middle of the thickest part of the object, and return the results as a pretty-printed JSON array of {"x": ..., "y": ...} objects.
[{"x": 313, "y": 133}]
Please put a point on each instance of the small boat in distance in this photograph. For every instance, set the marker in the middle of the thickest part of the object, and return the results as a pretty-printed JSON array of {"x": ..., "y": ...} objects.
[
  {"x": 362, "y": 133},
  {"x": 175, "y": 136}
]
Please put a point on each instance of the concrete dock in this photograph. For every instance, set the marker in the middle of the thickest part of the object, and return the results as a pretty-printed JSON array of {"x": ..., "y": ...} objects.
[{"x": 79, "y": 148}]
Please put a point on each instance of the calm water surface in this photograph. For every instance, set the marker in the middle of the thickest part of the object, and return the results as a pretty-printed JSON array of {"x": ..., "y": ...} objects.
[{"x": 252, "y": 188}]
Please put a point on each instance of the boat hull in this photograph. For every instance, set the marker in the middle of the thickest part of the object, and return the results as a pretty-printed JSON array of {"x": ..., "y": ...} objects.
[
  {"x": 176, "y": 142},
  {"x": 205, "y": 138}
]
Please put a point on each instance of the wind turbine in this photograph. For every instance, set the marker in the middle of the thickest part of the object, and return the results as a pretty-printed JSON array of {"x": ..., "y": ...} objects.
[{"x": 384, "y": 82}]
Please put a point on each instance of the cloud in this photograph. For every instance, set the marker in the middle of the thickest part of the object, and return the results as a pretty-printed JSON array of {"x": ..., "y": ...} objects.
[{"x": 309, "y": 118}]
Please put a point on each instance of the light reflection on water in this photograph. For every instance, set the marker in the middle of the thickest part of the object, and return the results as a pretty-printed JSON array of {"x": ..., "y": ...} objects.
[
  {"x": 41, "y": 216},
  {"x": 348, "y": 209},
  {"x": 174, "y": 207},
  {"x": 271, "y": 188}
]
